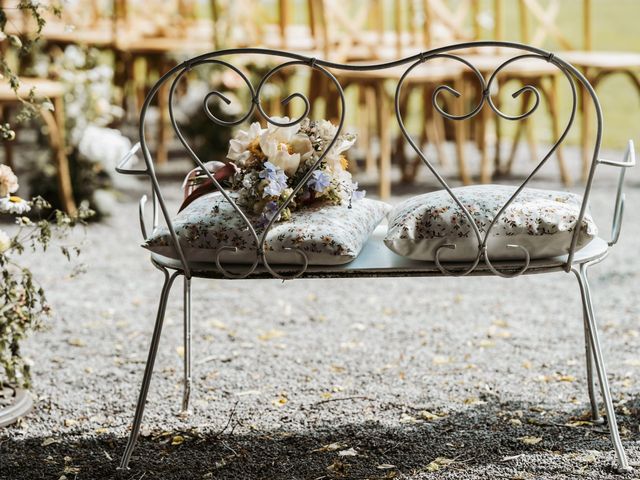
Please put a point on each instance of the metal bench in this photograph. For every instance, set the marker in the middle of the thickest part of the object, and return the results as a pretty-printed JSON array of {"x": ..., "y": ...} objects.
[{"x": 376, "y": 260}]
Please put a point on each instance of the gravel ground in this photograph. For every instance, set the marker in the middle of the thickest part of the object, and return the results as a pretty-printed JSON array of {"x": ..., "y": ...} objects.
[{"x": 322, "y": 379}]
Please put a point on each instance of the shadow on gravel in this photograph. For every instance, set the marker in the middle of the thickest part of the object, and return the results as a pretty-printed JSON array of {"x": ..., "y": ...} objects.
[{"x": 484, "y": 437}]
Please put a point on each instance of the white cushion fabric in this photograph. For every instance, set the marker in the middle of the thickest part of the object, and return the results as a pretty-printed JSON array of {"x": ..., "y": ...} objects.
[
  {"x": 542, "y": 221},
  {"x": 327, "y": 234}
]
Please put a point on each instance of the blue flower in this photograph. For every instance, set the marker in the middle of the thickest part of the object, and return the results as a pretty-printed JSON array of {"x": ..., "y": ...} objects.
[
  {"x": 268, "y": 213},
  {"x": 355, "y": 193},
  {"x": 276, "y": 178},
  {"x": 319, "y": 181}
]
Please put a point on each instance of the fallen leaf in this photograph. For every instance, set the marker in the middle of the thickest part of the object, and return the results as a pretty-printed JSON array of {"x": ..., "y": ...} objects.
[
  {"x": 76, "y": 342},
  {"x": 280, "y": 401},
  {"x": 49, "y": 441},
  {"x": 270, "y": 335},
  {"x": 177, "y": 440},
  {"x": 439, "y": 463},
  {"x": 406, "y": 418},
  {"x": 385, "y": 466},
  {"x": 350, "y": 452},
  {"x": 427, "y": 415},
  {"x": 69, "y": 422},
  {"x": 530, "y": 440},
  {"x": 331, "y": 447},
  {"x": 441, "y": 360}
]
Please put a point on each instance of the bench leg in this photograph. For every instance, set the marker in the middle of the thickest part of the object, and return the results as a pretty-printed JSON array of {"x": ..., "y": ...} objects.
[
  {"x": 148, "y": 369},
  {"x": 594, "y": 342},
  {"x": 591, "y": 384},
  {"x": 187, "y": 346}
]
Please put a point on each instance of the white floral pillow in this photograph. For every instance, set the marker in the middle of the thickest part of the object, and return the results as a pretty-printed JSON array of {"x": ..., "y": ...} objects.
[
  {"x": 542, "y": 221},
  {"x": 327, "y": 234}
]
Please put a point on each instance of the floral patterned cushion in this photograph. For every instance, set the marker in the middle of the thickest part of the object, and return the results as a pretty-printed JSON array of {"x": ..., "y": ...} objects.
[
  {"x": 327, "y": 234},
  {"x": 542, "y": 221}
]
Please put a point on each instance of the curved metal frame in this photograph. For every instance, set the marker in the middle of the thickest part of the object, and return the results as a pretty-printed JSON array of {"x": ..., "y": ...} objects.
[{"x": 573, "y": 76}]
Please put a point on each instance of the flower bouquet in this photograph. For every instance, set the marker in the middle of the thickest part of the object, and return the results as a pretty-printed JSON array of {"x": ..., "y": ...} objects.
[{"x": 265, "y": 165}]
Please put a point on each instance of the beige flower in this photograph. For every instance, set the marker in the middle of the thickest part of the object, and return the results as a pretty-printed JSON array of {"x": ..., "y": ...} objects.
[
  {"x": 8, "y": 181},
  {"x": 240, "y": 146},
  {"x": 284, "y": 147},
  {"x": 5, "y": 242}
]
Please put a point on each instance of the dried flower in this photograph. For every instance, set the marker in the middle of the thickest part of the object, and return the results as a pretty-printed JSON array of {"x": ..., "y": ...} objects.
[
  {"x": 8, "y": 181},
  {"x": 14, "y": 205},
  {"x": 5, "y": 242}
]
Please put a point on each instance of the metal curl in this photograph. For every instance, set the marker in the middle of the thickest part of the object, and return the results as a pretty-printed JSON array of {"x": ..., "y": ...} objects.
[
  {"x": 526, "y": 88},
  {"x": 527, "y": 261},
  {"x": 225, "y": 272},
  {"x": 455, "y": 93},
  {"x": 299, "y": 251},
  {"x": 266, "y": 77},
  {"x": 434, "y": 98},
  {"x": 223, "y": 123},
  {"x": 455, "y": 273}
]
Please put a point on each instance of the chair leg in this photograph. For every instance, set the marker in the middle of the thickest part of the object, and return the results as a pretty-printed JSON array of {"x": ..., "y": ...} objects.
[
  {"x": 591, "y": 384},
  {"x": 187, "y": 346},
  {"x": 594, "y": 342},
  {"x": 148, "y": 370}
]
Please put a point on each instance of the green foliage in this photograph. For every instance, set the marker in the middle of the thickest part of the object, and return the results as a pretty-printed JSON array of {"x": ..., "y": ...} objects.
[{"x": 23, "y": 303}]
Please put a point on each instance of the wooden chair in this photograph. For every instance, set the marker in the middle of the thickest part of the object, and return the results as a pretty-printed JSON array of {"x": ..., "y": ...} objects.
[
  {"x": 595, "y": 65},
  {"x": 54, "y": 91},
  {"x": 366, "y": 40},
  {"x": 449, "y": 25}
]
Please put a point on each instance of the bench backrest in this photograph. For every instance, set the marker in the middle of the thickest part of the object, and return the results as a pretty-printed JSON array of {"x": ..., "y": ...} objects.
[{"x": 256, "y": 106}]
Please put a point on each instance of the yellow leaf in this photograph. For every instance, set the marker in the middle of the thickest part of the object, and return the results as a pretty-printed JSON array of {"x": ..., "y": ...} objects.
[
  {"x": 406, "y": 418},
  {"x": 427, "y": 415},
  {"x": 270, "y": 335},
  {"x": 530, "y": 440},
  {"x": 438, "y": 463},
  {"x": 441, "y": 360},
  {"x": 566, "y": 378},
  {"x": 70, "y": 422},
  {"x": 177, "y": 440},
  {"x": 76, "y": 342},
  {"x": 280, "y": 401},
  {"x": 498, "y": 322},
  {"x": 331, "y": 447}
]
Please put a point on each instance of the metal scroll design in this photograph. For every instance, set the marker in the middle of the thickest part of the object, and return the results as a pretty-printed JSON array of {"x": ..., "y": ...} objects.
[
  {"x": 485, "y": 100},
  {"x": 260, "y": 240},
  {"x": 177, "y": 73}
]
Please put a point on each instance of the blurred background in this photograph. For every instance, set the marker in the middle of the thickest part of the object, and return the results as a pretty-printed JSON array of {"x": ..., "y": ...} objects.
[{"x": 93, "y": 62}]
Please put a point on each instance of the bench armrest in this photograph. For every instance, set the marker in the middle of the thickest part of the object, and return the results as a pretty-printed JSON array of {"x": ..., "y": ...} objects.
[
  {"x": 629, "y": 161},
  {"x": 131, "y": 155}
]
